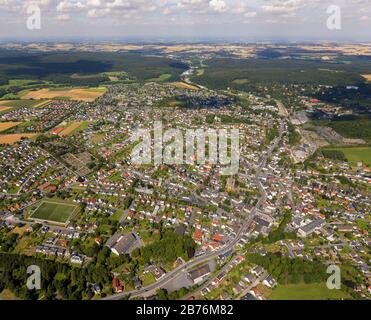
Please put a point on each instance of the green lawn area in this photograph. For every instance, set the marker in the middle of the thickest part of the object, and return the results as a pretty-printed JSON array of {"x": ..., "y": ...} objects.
[
  {"x": 117, "y": 215},
  {"x": 54, "y": 211},
  {"x": 315, "y": 291},
  {"x": 357, "y": 154},
  {"x": 148, "y": 279}
]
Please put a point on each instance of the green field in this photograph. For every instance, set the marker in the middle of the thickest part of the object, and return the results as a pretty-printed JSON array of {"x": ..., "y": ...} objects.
[
  {"x": 357, "y": 154},
  {"x": 161, "y": 78},
  {"x": 19, "y": 103},
  {"x": 315, "y": 291},
  {"x": 54, "y": 211}
]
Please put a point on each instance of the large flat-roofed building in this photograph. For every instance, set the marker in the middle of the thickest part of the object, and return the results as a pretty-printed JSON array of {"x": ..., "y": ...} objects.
[
  {"x": 311, "y": 227},
  {"x": 124, "y": 243},
  {"x": 197, "y": 275}
]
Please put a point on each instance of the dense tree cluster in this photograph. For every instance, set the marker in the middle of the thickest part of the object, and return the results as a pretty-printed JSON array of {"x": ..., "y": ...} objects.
[
  {"x": 167, "y": 249},
  {"x": 58, "y": 280},
  {"x": 334, "y": 155},
  {"x": 287, "y": 270}
]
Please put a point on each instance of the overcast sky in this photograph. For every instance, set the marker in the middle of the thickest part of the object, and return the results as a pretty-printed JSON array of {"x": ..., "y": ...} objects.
[{"x": 186, "y": 19}]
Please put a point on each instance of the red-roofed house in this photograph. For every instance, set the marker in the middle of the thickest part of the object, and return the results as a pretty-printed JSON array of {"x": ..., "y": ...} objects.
[{"x": 197, "y": 236}]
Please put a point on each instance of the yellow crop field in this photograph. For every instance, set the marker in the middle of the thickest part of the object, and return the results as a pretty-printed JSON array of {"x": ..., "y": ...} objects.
[
  {"x": 4, "y": 108},
  {"x": 184, "y": 85},
  {"x": 42, "y": 104},
  {"x": 4, "y": 102},
  {"x": 72, "y": 127},
  {"x": 87, "y": 95},
  {"x": 13, "y": 138},
  {"x": 7, "y": 125}
]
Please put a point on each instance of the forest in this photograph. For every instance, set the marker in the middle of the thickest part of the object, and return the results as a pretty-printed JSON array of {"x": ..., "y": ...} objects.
[
  {"x": 58, "y": 67},
  {"x": 57, "y": 279},
  {"x": 243, "y": 73}
]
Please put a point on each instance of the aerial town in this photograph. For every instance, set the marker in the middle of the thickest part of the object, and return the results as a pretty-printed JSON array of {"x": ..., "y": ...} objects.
[{"x": 72, "y": 196}]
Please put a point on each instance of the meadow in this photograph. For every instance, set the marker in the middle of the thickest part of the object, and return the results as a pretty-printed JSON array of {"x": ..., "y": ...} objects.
[
  {"x": 356, "y": 154},
  {"x": 314, "y": 291}
]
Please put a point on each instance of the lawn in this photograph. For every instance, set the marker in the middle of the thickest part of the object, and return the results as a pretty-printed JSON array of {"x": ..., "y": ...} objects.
[
  {"x": 315, "y": 291},
  {"x": 357, "y": 154},
  {"x": 54, "y": 211}
]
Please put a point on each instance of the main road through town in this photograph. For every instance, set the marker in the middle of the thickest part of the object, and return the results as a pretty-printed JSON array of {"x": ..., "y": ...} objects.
[{"x": 151, "y": 289}]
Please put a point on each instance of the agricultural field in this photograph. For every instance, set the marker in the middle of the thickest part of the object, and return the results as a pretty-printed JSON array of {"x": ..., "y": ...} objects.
[
  {"x": 7, "y": 125},
  {"x": 163, "y": 77},
  {"x": 356, "y": 154},
  {"x": 21, "y": 103},
  {"x": 183, "y": 85},
  {"x": 54, "y": 211},
  {"x": 240, "y": 81},
  {"x": 367, "y": 77},
  {"x": 87, "y": 95},
  {"x": 3, "y": 108},
  {"x": 315, "y": 291},
  {"x": 72, "y": 128},
  {"x": 13, "y": 138}
]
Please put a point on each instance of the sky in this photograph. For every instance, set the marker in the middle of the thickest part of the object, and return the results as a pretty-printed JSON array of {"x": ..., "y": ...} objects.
[{"x": 185, "y": 20}]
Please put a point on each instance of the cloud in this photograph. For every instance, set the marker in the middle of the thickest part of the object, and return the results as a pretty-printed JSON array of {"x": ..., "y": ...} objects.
[
  {"x": 181, "y": 13},
  {"x": 63, "y": 17},
  {"x": 218, "y": 5},
  {"x": 69, "y": 6},
  {"x": 251, "y": 14}
]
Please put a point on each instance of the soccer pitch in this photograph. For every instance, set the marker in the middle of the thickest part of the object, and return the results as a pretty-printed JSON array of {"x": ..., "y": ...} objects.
[{"x": 54, "y": 212}]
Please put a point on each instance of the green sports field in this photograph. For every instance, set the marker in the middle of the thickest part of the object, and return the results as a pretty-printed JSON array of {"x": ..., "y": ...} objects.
[{"x": 54, "y": 212}]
